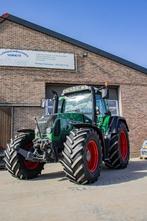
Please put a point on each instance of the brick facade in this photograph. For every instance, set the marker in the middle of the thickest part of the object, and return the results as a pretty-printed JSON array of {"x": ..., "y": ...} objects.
[{"x": 25, "y": 87}]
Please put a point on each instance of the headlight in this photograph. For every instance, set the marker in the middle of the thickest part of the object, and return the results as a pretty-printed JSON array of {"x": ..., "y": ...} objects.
[{"x": 48, "y": 130}]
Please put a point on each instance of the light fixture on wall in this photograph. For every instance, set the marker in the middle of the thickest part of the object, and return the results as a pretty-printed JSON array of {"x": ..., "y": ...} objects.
[{"x": 85, "y": 54}]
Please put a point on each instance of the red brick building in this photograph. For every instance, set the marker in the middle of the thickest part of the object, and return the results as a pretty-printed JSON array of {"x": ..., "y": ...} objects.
[{"x": 23, "y": 85}]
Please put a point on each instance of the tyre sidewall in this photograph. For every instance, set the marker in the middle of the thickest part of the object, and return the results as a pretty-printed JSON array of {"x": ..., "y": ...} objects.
[
  {"x": 25, "y": 141},
  {"x": 15, "y": 162},
  {"x": 92, "y": 175},
  {"x": 122, "y": 127}
]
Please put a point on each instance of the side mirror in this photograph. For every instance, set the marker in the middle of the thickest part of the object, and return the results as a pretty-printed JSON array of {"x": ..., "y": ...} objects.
[
  {"x": 43, "y": 101},
  {"x": 55, "y": 102},
  {"x": 105, "y": 93}
]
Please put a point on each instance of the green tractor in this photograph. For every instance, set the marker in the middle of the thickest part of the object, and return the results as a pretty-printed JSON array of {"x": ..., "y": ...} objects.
[{"x": 80, "y": 133}]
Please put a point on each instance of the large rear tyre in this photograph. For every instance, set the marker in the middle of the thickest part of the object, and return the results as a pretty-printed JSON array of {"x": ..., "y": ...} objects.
[
  {"x": 81, "y": 157},
  {"x": 119, "y": 151},
  {"x": 16, "y": 164}
]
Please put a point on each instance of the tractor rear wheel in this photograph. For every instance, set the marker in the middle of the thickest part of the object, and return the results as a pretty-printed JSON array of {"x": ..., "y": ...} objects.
[
  {"x": 81, "y": 157},
  {"x": 119, "y": 149},
  {"x": 16, "y": 164}
]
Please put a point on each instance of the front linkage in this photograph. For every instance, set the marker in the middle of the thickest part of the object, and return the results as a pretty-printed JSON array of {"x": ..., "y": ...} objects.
[{"x": 41, "y": 151}]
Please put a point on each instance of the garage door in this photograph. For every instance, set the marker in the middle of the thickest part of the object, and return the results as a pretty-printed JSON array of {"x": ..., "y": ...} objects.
[
  {"x": 5, "y": 126},
  {"x": 113, "y": 101}
]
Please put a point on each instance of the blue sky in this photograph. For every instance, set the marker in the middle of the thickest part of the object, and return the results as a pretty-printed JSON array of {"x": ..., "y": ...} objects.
[{"x": 116, "y": 26}]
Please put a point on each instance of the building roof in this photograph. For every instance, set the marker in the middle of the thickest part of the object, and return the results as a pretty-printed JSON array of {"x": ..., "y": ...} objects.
[{"x": 72, "y": 41}]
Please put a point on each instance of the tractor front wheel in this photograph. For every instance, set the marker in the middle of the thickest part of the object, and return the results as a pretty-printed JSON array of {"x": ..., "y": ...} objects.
[
  {"x": 16, "y": 164},
  {"x": 81, "y": 157}
]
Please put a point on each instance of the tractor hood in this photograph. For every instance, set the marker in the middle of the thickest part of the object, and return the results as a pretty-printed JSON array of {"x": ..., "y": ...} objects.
[{"x": 56, "y": 125}]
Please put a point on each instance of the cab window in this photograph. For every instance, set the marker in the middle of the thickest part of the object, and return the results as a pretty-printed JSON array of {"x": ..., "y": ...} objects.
[{"x": 101, "y": 105}]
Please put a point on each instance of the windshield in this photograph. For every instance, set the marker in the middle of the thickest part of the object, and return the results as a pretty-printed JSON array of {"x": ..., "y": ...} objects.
[{"x": 81, "y": 103}]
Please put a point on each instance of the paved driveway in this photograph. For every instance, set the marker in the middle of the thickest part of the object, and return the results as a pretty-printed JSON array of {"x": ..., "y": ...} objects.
[{"x": 118, "y": 195}]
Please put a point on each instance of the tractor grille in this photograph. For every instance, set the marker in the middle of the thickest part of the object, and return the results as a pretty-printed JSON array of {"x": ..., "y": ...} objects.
[
  {"x": 43, "y": 127},
  {"x": 46, "y": 122}
]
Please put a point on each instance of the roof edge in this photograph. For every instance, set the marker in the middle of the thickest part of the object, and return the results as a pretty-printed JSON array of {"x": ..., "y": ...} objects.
[{"x": 7, "y": 16}]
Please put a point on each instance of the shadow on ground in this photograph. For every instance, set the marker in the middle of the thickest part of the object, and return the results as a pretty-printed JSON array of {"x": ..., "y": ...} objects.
[
  {"x": 135, "y": 170},
  {"x": 52, "y": 175}
]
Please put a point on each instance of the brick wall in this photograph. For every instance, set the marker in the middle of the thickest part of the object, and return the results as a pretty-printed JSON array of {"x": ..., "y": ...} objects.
[
  {"x": 27, "y": 85},
  {"x": 24, "y": 117}
]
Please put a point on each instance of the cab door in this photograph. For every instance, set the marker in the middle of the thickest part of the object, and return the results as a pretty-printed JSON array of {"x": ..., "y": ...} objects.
[{"x": 101, "y": 109}]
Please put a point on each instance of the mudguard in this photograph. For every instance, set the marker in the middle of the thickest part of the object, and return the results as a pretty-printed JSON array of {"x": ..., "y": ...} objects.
[
  {"x": 84, "y": 125},
  {"x": 114, "y": 122},
  {"x": 26, "y": 131}
]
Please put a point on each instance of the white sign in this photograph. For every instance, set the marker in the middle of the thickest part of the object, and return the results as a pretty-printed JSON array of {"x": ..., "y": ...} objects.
[{"x": 39, "y": 59}]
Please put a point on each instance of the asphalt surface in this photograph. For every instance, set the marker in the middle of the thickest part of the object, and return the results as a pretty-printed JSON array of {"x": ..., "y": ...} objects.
[{"x": 118, "y": 195}]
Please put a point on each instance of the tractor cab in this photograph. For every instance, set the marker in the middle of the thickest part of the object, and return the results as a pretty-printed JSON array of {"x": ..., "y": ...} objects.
[
  {"x": 90, "y": 101},
  {"x": 77, "y": 105}
]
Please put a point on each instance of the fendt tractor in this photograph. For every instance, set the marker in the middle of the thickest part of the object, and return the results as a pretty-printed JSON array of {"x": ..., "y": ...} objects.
[{"x": 80, "y": 133}]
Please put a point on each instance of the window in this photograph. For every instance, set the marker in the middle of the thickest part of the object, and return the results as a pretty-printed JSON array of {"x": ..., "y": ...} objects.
[
  {"x": 47, "y": 104},
  {"x": 113, "y": 107},
  {"x": 100, "y": 104},
  {"x": 80, "y": 102}
]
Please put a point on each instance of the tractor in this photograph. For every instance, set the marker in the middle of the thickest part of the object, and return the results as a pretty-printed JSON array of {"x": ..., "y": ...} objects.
[{"x": 80, "y": 133}]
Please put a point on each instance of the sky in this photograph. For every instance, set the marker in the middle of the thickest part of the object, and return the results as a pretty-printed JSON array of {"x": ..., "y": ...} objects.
[{"x": 116, "y": 26}]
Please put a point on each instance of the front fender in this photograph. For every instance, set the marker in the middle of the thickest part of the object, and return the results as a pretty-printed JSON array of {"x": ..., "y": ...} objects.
[
  {"x": 26, "y": 131},
  {"x": 84, "y": 125}
]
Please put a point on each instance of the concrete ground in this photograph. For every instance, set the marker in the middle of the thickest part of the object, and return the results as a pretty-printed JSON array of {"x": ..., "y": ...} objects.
[{"x": 118, "y": 195}]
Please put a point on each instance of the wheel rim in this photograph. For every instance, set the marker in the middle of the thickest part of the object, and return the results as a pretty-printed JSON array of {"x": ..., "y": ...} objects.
[
  {"x": 29, "y": 164},
  {"x": 123, "y": 145},
  {"x": 92, "y": 156}
]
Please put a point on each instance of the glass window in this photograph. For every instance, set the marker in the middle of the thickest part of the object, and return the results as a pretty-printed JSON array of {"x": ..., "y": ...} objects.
[
  {"x": 81, "y": 102},
  {"x": 101, "y": 105},
  {"x": 113, "y": 107},
  {"x": 47, "y": 104}
]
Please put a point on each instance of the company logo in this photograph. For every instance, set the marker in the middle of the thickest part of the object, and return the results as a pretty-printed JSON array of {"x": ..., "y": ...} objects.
[{"x": 14, "y": 53}]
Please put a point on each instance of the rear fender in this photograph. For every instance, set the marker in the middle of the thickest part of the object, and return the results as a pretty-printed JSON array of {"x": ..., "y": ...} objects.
[{"x": 114, "y": 123}]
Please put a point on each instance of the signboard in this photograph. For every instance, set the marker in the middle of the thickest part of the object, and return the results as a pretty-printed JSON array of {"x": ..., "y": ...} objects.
[{"x": 38, "y": 59}]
